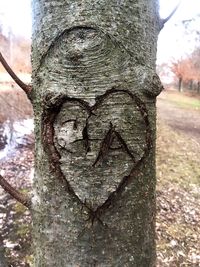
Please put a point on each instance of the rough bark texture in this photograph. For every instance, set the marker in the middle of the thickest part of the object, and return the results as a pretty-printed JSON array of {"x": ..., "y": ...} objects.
[
  {"x": 3, "y": 262},
  {"x": 94, "y": 91}
]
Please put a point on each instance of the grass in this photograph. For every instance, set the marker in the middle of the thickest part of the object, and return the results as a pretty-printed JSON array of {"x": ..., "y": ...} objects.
[
  {"x": 178, "y": 158},
  {"x": 183, "y": 100},
  {"x": 178, "y": 198}
]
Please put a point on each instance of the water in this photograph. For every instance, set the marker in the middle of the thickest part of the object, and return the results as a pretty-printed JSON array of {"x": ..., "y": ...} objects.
[{"x": 15, "y": 133}]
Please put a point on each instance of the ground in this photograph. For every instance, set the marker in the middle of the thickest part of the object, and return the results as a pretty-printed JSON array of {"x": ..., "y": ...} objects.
[
  {"x": 178, "y": 188},
  {"x": 14, "y": 218},
  {"x": 181, "y": 113}
]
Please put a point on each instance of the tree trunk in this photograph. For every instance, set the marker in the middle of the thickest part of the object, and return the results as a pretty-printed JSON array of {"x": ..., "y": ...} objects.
[
  {"x": 180, "y": 84},
  {"x": 191, "y": 85},
  {"x": 3, "y": 262},
  {"x": 198, "y": 87},
  {"x": 94, "y": 92}
]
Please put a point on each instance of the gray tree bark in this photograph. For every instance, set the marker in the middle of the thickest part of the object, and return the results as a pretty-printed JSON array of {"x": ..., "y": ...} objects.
[
  {"x": 3, "y": 261},
  {"x": 94, "y": 92}
]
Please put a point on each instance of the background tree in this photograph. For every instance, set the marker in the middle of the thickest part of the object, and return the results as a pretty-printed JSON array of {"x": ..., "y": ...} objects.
[
  {"x": 17, "y": 50},
  {"x": 187, "y": 70},
  {"x": 195, "y": 58},
  {"x": 181, "y": 70}
]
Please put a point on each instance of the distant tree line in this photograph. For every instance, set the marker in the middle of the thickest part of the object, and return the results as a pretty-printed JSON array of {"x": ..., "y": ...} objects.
[
  {"x": 16, "y": 50},
  {"x": 187, "y": 71}
]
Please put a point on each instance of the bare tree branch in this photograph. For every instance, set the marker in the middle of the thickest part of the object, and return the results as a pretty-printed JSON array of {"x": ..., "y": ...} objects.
[
  {"x": 163, "y": 21},
  {"x": 27, "y": 88},
  {"x": 23, "y": 199}
]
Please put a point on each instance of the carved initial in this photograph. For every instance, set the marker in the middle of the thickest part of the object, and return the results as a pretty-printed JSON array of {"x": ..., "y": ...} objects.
[{"x": 99, "y": 145}]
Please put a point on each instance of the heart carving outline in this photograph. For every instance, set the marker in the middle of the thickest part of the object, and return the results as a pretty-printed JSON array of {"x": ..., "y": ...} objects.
[{"x": 49, "y": 117}]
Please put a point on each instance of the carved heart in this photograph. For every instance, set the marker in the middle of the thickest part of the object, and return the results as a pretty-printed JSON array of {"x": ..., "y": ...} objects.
[{"x": 100, "y": 145}]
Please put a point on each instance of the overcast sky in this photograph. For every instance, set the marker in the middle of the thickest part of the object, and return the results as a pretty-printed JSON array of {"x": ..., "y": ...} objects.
[
  {"x": 16, "y": 15},
  {"x": 172, "y": 43}
]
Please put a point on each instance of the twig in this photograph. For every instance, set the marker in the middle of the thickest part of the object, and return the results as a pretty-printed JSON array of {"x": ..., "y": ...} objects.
[
  {"x": 23, "y": 199},
  {"x": 163, "y": 21},
  {"x": 27, "y": 88}
]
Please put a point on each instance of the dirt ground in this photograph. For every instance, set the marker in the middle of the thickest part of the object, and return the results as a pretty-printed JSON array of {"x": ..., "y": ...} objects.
[
  {"x": 178, "y": 181},
  {"x": 185, "y": 121}
]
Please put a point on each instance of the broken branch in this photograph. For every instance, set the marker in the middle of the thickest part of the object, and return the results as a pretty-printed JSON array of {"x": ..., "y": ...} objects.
[
  {"x": 23, "y": 199},
  {"x": 27, "y": 88},
  {"x": 163, "y": 21}
]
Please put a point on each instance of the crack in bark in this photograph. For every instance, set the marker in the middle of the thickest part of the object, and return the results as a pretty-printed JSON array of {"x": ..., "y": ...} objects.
[
  {"x": 71, "y": 120},
  {"x": 86, "y": 139},
  {"x": 49, "y": 116}
]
